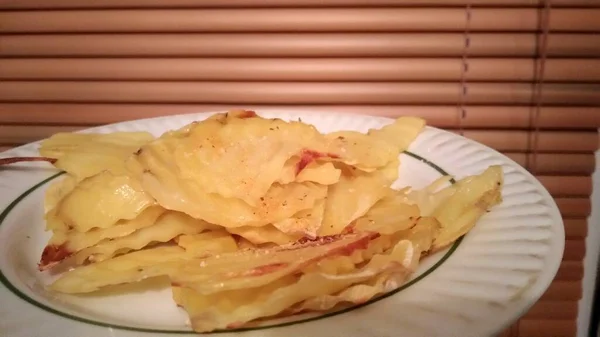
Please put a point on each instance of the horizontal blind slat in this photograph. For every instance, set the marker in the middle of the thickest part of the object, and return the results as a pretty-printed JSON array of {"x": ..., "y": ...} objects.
[
  {"x": 298, "y": 69},
  {"x": 296, "y": 20},
  {"x": 298, "y": 45},
  {"x": 553, "y": 310},
  {"x": 505, "y": 140},
  {"x": 58, "y": 4},
  {"x": 556, "y": 163},
  {"x": 574, "y": 250},
  {"x": 294, "y": 92},
  {"x": 488, "y": 117},
  {"x": 570, "y": 271},
  {"x": 563, "y": 291},
  {"x": 567, "y": 186},
  {"x": 574, "y": 207},
  {"x": 575, "y": 228},
  {"x": 545, "y": 327},
  {"x": 548, "y": 140}
]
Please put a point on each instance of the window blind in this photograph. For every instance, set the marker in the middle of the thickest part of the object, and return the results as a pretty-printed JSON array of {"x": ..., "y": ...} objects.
[{"x": 522, "y": 76}]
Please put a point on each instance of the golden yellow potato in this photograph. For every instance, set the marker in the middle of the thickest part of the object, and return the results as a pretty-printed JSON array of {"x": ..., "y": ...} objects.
[
  {"x": 167, "y": 227},
  {"x": 73, "y": 241},
  {"x": 263, "y": 235},
  {"x": 234, "y": 308},
  {"x": 253, "y": 268},
  {"x": 127, "y": 268},
  {"x": 100, "y": 201},
  {"x": 85, "y": 155},
  {"x": 473, "y": 197},
  {"x": 304, "y": 223},
  {"x": 352, "y": 196},
  {"x": 58, "y": 190},
  {"x": 207, "y": 243},
  {"x": 250, "y": 217},
  {"x": 241, "y": 158}
]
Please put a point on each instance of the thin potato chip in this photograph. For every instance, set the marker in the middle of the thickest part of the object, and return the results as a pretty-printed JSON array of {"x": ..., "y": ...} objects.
[
  {"x": 473, "y": 198},
  {"x": 360, "y": 150},
  {"x": 429, "y": 198},
  {"x": 127, "y": 268},
  {"x": 100, "y": 201},
  {"x": 356, "y": 294},
  {"x": 344, "y": 264},
  {"x": 401, "y": 133},
  {"x": 263, "y": 234},
  {"x": 241, "y": 158},
  {"x": 64, "y": 244},
  {"x": 351, "y": 198},
  {"x": 168, "y": 226},
  {"x": 324, "y": 173},
  {"x": 207, "y": 243},
  {"x": 217, "y": 311},
  {"x": 57, "y": 191},
  {"x": 304, "y": 223},
  {"x": 280, "y": 202},
  {"x": 389, "y": 215},
  {"x": 160, "y": 179},
  {"x": 136, "y": 266},
  {"x": 254, "y": 268},
  {"x": 85, "y": 155}
]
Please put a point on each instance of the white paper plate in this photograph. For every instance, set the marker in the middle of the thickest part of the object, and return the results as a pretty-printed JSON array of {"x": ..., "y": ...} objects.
[{"x": 475, "y": 288}]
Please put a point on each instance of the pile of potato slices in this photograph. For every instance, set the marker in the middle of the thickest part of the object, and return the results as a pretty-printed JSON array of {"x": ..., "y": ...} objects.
[{"x": 248, "y": 217}]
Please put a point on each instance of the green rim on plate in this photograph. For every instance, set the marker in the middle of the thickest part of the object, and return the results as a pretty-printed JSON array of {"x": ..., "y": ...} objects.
[{"x": 42, "y": 306}]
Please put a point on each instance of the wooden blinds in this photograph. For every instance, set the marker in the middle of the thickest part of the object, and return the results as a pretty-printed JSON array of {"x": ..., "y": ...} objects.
[{"x": 522, "y": 76}]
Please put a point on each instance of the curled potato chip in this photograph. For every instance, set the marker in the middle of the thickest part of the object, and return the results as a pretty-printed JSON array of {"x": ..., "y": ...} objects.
[
  {"x": 324, "y": 173},
  {"x": 100, "y": 201},
  {"x": 57, "y": 191},
  {"x": 135, "y": 266},
  {"x": 254, "y": 268},
  {"x": 127, "y": 268},
  {"x": 429, "y": 198},
  {"x": 241, "y": 158},
  {"x": 159, "y": 178},
  {"x": 389, "y": 215},
  {"x": 167, "y": 227},
  {"x": 63, "y": 244},
  {"x": 234, "y": 308},
  {"x": 401, "y": 133},
  {"x": 356, "y": 294},
  {"x": 207, "y": 243},
  {"x": 85, "y": 155},
  {"x": 361, "y": 150},
  {"x": 351, "y": 198},
  {"x": 263, "y": 234},
  {"x": 473, "y": 197},
  {"x": 304, "y": 223},
  {"x": 280, "y": 202}
]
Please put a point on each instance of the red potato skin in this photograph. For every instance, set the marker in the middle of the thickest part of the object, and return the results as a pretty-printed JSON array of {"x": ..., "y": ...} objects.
[
  {"x": 247, "y": 114},
  {"x": 308, "y": 156},
  {"x": 52, "y": 255}
]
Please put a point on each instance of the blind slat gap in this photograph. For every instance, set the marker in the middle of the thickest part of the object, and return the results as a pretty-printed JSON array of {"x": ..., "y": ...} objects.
[
  {"x": 544, "y": 20},
  {"x": 462, "y": 112}
]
